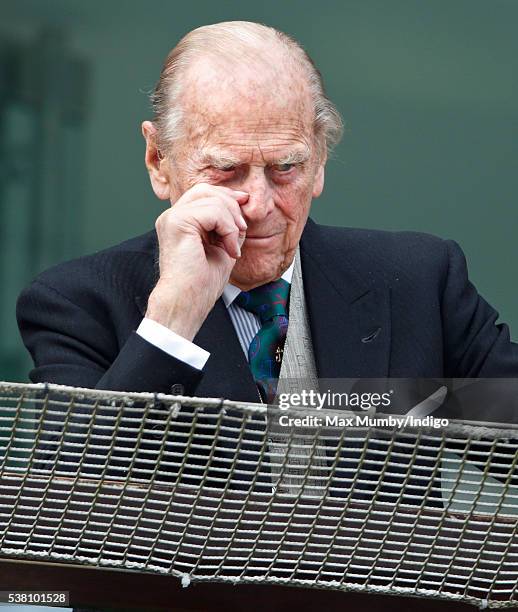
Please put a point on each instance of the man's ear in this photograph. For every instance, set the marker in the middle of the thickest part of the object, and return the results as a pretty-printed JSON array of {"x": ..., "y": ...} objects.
[
  {"x": 318, "y": 183},
  {"x": 155, "y": 163}
]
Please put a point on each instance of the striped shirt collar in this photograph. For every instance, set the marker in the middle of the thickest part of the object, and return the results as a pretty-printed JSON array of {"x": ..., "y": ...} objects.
[{"x": 231, "y": 291}]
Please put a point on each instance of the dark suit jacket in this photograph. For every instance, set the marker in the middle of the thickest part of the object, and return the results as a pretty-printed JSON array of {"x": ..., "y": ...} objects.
[{"x": 380, "y": 304}]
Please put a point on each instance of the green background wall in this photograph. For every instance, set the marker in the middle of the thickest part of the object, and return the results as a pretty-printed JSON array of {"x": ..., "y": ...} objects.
[{"x": 428, "y": 90}]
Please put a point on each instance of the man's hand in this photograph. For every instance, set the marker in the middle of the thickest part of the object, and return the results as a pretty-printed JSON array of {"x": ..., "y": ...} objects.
[{"x": 200, "y": 239}]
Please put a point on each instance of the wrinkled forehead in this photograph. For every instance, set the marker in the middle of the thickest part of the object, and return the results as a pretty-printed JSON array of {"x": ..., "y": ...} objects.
[{"x": 244, "y": 108}]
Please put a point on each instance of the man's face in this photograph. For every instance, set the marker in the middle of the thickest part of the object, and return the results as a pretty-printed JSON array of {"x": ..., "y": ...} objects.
[{"x": 253, "y": 135}]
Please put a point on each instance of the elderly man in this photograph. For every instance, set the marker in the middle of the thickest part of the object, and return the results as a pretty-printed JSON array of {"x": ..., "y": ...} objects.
[{"x": 238, "y": 146}]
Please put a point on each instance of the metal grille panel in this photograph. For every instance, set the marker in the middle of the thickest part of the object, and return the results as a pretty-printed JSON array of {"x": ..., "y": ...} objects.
[{"x": 184, "y": 486}]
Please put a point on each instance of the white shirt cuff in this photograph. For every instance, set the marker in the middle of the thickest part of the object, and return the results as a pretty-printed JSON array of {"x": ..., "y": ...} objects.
[{"x": 173, "y": 344}]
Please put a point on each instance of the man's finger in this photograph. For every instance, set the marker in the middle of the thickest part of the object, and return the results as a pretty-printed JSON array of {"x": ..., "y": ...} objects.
[{"x": 215, "y": 217}]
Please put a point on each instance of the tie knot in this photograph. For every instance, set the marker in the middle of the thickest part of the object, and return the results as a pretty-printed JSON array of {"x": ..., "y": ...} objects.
[{"x": 267, "y": 300}]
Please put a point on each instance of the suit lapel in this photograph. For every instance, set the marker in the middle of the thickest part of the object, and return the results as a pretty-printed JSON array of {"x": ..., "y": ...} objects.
[
  {"x": 349, "y": 315},
  {"x": 227, "y": 373}
]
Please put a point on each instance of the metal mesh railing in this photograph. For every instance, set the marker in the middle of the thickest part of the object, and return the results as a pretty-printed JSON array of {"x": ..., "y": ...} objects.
[{"x": 203, "y": 490}]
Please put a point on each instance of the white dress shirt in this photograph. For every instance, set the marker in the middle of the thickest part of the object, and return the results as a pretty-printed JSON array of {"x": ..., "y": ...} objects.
[{"x": 245, "y": 323}]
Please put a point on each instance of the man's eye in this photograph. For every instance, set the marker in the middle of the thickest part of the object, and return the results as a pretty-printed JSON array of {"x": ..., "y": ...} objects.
[
  {"x": 284, "y": 167},
  {"x": 226, "y": 169}
]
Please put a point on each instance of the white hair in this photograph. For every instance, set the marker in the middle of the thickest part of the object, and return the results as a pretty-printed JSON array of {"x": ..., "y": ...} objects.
[{"x": 236, "y": 41}]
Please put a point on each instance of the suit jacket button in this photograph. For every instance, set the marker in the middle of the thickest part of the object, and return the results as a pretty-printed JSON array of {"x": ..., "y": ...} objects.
[{"x": 177, "y": 389}]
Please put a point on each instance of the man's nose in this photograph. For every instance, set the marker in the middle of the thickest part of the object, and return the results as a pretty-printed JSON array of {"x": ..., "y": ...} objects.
[{"x": 260, "y": 201}]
